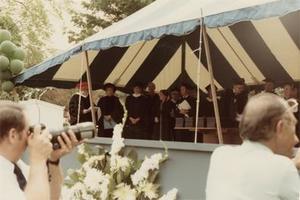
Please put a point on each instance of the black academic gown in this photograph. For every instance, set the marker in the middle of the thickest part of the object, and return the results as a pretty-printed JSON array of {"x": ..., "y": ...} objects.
[
  {"x": 73, "y": 109},
  {"x": 153, "y": 106},
  {"x": 136, "y": 108},
  {"x": 167, "y": 110},
  {"x": 232, "y": 105},
  {"x": 192, "y": 101},
  {"x": 185, "y": 135},
  {"x": 109, "y": 105}
]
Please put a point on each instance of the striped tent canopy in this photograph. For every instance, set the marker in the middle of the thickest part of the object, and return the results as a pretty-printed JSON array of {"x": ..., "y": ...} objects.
[{"x": 250, "y": 39}]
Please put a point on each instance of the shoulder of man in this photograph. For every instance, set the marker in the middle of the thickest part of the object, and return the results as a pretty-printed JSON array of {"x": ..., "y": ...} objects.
[{"x": 222, "y": 151}]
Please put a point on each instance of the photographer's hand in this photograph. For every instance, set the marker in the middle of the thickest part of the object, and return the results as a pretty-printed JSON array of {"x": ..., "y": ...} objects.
[
  {"x": 67, "y": 143},
  {"x": 39, "y": 150},
  {"x": 39, "y": 145}
]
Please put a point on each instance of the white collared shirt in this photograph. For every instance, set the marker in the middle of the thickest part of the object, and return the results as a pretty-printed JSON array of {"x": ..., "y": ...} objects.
[
  {"x": 9, "y": 187},
  {"x": 251, "y": 172}
]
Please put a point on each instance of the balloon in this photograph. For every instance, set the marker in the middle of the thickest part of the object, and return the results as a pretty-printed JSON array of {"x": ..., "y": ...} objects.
[
  {"x": 8, "y": 48},
  {"x": 7, "y": 86},
  {"x": 5, "y": 75},
  {"x": 19, "y": 54},
  {"x": 16, "y": 66},
  {"x": 4, "y": 35},
  {"x": 4, "y": 63}
]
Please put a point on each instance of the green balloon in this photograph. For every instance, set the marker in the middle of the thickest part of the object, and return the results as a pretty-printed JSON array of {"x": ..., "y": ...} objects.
[
  {"x": 4, "y": 35},
  {"x": 4, "y": 63},
  {"x": 5, "y": 75},
  {"x": 16, "y": 66},
  {"x": 7, "y": 86},
  {"x": 19, "y": 54},
  {"x": 8, "y": 48}
]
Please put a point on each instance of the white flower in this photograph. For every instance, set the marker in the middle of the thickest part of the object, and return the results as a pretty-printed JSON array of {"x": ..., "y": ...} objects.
[
  {"x": 76, "y": 191},
  {"x": 93, "y": 179},
  {"x": 118, "y": 141},
  {"x": 67, "y": 193},
  {"x": 171, "y": 195},
  {"x": 151, "y": 163},
  {"x": 87, "y": 196},
  {"x": 104, "y": 187},
  {"x": 117, "y": 162},
  {"x": 117, "y": 132},
  {"x": 150, "y": 190},
  {"x": 92, "y": 161},
  {"x": 124, "y": 192},
  {"x": 81, "y": 150}
]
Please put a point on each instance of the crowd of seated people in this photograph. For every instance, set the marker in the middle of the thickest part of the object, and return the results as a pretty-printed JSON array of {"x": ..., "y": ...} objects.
[{"x": 154, "y": 115}]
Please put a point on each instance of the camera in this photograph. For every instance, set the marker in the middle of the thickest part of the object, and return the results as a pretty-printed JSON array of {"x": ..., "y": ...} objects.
[{"x": 82, "y": 131}]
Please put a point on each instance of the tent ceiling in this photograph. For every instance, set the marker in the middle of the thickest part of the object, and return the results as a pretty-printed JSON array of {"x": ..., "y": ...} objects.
[{"x": 254, "y": 50}]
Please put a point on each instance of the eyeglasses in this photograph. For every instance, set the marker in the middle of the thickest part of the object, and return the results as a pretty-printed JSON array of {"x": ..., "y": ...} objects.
[{"x": 293, "y": 103}]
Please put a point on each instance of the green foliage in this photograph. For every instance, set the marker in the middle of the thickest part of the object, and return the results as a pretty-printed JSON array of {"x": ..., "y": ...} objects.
[
  {"x": 5, "y": 75},
  {"x": 7, "y": 86},
  {"x": 4, "y": 35},
  {"x": 7, "y": 48},
  {"x": 30, "y": 30},
  {"x": 4, "y": 63},
  {"x": 7, "y": 22},
  {"x": 100, "y": 14},
  {"x": 28, "y": 22},
  {"x": 19, "y": 54}
]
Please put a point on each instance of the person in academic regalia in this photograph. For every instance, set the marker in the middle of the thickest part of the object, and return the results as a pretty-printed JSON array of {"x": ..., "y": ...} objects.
[
  {"x": 137, "y": 114},
  {"x": 174, "y": 95},
  {"x": 112, "y": 111},
  {"x": 186, "y": 97},
  {"x": 187, "y": 110},
  {"x": 233, "y": 102},
  {"x": 166, "y": 120},
  {"x": 206, "y": 103},
  {"x": 269, "y": 86},
  {"x": 291, "y": 92},
  {"x": 84, "y": 108},
  {"x": 153, "y": 116}
]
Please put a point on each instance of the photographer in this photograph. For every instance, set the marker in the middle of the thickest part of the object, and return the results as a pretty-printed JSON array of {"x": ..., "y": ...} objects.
[{"x": 43, "y": 179}]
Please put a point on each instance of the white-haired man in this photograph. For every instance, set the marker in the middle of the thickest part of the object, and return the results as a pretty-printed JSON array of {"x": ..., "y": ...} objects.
[{"x": 261, "y": 168}]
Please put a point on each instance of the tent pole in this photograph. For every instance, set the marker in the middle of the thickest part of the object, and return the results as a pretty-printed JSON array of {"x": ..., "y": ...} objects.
[
  {"x": 213, "y": 89},
  {"x": 198, "y": 80},
  {"x": 88, "y": 75}
]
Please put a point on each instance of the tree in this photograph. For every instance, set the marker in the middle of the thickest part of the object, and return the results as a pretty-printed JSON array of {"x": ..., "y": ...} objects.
[
  {"x": 100, "y": 14},
  {"x": 29, "y": 23}
]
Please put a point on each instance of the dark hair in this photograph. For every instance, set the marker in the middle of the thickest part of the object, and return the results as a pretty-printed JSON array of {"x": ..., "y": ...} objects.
[
  {"x": 165, "y": 92},
  {"x": 239, "y": 81},
  {"x": 138, "y": 84},
  {"x": 174, "y": 89},
  {"x": 186, "y": 85},
  {"x": 109, "y": 85},
  {"x": 260, "y": 117},
  {"x": 11, "y": 116},
  {"x": 268, "y": 80}
]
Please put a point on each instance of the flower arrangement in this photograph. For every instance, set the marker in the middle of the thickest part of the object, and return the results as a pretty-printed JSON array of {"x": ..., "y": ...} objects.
[{"x": 115, "y": 175}]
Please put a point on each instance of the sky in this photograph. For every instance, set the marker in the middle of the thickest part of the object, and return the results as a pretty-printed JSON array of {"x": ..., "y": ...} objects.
[{"x": 59, "y": 39}]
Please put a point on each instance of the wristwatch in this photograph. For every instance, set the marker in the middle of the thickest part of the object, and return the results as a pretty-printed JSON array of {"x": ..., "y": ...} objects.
[{"x": 56, "y": 163}]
